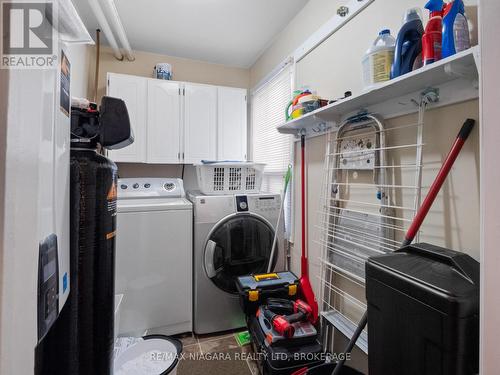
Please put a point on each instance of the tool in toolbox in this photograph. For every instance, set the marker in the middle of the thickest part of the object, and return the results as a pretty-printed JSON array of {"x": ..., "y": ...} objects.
[
  {"x": 285, "y": 356},
  {"x": 419, "y": 217},
  {"x": 254, "y": 290},
  {"x": 281, "y": 315},
  {"x": 283, "y": 324}
]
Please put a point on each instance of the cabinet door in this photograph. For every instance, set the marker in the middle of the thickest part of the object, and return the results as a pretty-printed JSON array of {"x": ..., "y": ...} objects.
[
  {"x": 164, "y": 122},
  {"x": 133, "y": 91},
  {"x": 200, "y": 123},
  {"x": 232, "y": 124}
]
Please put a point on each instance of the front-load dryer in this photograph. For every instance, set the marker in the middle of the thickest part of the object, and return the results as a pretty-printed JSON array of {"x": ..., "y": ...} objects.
[{"x": 233, "y": 236}]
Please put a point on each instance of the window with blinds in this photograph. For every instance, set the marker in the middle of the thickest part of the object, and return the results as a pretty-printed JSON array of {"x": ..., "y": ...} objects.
[
  {"x": 268, "y": 111},
  {"x": 268, "y": 106}
]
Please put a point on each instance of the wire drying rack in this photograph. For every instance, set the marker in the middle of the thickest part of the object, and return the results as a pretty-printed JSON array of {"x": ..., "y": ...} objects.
[{"x": 371, "y": 192}]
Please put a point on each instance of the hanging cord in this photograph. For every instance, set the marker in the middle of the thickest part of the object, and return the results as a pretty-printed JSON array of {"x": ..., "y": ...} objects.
[{"x": 97, "y": 59}]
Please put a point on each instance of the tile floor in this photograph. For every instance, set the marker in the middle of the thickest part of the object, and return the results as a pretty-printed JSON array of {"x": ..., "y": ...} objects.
[{"x": 215, "y": 354}]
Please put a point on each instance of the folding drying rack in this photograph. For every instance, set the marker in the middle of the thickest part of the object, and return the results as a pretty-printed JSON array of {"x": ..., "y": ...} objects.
[{"x": 362, "y": 210}]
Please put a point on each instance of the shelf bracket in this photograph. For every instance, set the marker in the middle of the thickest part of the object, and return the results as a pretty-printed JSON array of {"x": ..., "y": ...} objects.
[{"x": 430, "y": 96}]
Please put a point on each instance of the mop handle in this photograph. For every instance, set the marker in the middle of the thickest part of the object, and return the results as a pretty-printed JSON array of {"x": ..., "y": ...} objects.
[
  {"x": 303, "y": 260},
  {"x": 419, "y": 218}
]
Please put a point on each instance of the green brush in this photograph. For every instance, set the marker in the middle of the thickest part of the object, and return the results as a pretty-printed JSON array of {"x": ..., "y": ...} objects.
[{"x": 288, "y": 177}]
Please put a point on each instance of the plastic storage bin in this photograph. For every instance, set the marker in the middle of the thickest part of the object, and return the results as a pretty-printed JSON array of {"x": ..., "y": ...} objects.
[
  {"x": 423, "y": 312},
  {"x": 229, "y": 178}
]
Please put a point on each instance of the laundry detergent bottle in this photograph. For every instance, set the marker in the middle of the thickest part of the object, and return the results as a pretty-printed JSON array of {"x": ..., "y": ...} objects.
[
  {"x": 408, "y": 44},
  {"x": 432, "y": 39},
  {"x": 378, "y": 60},
  {"x": 456, "y": 37}
]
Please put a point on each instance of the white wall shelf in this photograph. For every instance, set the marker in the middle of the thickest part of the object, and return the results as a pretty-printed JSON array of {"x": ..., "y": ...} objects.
[{"x": 454, "y": 79}]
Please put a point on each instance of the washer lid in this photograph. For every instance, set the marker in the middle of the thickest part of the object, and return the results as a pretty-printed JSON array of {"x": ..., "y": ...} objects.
[
  {"x": 158, "y": 204},
  {"x": 155, "y": 355}
]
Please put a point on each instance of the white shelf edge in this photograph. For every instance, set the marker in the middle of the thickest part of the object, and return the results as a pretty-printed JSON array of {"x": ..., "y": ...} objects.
[{"x": 454, "y": 84}]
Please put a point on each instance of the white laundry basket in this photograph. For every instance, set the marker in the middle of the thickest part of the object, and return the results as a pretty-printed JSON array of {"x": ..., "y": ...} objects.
[{"x": 229, "y": 178}]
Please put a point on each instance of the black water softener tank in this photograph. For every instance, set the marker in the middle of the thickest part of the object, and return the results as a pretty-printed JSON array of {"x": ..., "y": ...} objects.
[
  {"x": 87, "y": 325},
  {"x": 423, "y": 312}
]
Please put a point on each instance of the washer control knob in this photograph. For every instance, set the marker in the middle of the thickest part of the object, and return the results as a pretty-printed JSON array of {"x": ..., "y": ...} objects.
[
  {"x": 243, "y": 205},
  {"x": 168, "y": 186},
  {"x": 135, "y": 186},
  {"x": 147, "y": 186},
  {"x": 123, "y": 187}
]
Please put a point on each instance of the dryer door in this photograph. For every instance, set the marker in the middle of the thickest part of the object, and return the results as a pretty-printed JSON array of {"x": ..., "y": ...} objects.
[{"x": 238, "y": 245}]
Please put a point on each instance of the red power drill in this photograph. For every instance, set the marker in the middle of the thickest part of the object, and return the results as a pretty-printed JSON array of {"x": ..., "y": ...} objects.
[{"x": 283, "y": 324}]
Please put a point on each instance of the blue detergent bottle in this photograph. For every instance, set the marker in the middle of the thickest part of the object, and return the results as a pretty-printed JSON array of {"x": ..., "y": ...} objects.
[
  {"x": 456, "y": 37},
  {"x": 408, "y": 43}
]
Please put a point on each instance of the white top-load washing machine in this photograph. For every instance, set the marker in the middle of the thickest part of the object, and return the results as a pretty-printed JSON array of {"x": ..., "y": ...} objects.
[
  {"x": 233, "y": 236},
  {"x": 154, "y": 256}
]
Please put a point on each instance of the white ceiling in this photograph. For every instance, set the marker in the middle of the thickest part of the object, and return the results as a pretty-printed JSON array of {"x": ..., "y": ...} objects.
[{"x": 229, "y": 32}]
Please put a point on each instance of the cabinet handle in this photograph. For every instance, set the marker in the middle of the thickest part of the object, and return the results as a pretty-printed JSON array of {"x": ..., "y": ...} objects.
[
  {"x": 178, "y": 156},
  {"x": 182, "y": 156}
]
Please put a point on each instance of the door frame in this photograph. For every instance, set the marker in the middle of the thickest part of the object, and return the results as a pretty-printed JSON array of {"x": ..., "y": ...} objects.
[{"x": 489, "y": 29}]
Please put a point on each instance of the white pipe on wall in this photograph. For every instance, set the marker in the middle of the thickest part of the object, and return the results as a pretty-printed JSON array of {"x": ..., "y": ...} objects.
[
  {"x": 103, "y": 23},
  {"x": 114, "y": 19}
]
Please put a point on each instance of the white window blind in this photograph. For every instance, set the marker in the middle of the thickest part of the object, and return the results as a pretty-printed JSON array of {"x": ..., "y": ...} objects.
[
  {"x": 268, "y": 111},
  {"x": 268, "y": 106}
]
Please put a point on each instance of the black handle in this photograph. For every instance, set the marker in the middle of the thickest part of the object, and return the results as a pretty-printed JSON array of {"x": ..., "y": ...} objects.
[{"x": 466, "y": 129}]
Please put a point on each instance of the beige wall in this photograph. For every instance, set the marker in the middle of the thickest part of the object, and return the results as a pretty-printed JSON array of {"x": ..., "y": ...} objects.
[
  {"x": 306, "y": 22},
  {"x": 344, "y": 51},
  {"x": 335, "y": 67},
  {"x": 183, "y": 70},
  {"x": 350, "y": 42}
]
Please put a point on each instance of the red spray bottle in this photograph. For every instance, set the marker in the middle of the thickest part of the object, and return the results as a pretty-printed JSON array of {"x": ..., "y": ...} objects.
[{"x": 433, "y": 36}]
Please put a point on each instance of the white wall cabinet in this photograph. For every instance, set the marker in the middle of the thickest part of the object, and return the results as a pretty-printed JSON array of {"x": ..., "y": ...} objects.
[
  {"x": 232, "y": 123},
  {"x": 200, "y": 123},
  {"x": 133, "y": 90},
  {"x": 164, "y": 122},
  {"x": 180, "y": 122}
]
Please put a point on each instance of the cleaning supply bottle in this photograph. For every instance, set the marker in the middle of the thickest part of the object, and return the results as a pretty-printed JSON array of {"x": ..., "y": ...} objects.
[
  {"x": 432, "y": 39},
  {"x": 378, "y": 59},
  {"x": 408, "y": 44},
  {"x": 456, "y": 36}
]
